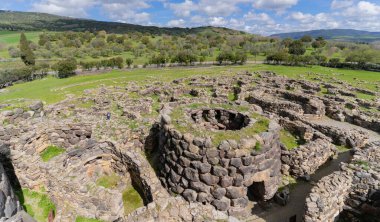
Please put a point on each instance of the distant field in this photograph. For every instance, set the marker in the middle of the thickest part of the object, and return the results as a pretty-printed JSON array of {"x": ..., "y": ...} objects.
[
  {"x": 8, "y": 38},
  {"x": 52, "y": 90}
]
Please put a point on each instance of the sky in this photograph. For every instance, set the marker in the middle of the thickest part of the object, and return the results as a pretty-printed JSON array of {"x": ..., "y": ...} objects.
[{"x": 263, "y": 17}]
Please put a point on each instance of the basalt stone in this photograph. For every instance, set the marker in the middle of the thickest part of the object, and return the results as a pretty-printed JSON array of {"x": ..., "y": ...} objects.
[
  {"x": 200, "y": 187},
  {"x": 245, "y": 170},
  {"x": 232, "y": 171},
  {"x": 226, "y": 181},
  {"x": 218, "y": 193},
  {"x": 224, "y": 145},
  {"x": 174, "y": 176},
  {"x": 222, "y": 204},
  {"x": 192, "y": 156},
  {"x": 240, "y": 202},
  {"x": 209, "y": 179},
  {"x": 235, "y": 192},
  {"x": 202, "y": 167},
  {"x": 191, "y": 174},
  {"x": 238, "y": 180},
  {"x": 212, "y": 153},
  {"x": 236, "y": 162},
  {"x": 198, "y": 142},
  {"x": 190, "y": 195},
  {"x": 247, "y": 161},
  {"x": 184, "y": 161},
  {"x": 203, "y": 197},
  {"x": 225, "y": 162},
  {"x": 213, "y": 161},
  {"x": 266, "y": 164},
  {"x": 219, "y": 171}
]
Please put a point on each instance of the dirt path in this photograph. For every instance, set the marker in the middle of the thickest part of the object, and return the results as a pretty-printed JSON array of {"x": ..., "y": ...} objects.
[{"x": 373, "y": 136}]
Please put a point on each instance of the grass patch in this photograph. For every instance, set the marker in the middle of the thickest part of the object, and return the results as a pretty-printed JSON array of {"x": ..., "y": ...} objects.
[
  {"x": 287, "y": 181},
  {"x": 36, "y": 204},
  {"x": 50, "y": 152},
  {"x": 288, "y": 140},
  {"x": 85, "y": 219},
  {"x": 52, "y": 90},
  {"x": 180, "y": 123},
  {"x": 364, "y": 164},
  {"x": 132, "y": 200},
  {"x": 365, "y": 96},
  {"x": 108, "y": 181},
  {"x": 342, "y": 149}
]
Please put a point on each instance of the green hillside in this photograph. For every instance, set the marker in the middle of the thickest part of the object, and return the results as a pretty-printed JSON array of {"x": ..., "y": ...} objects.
[
  {"x": 335, "y": 34},
  {"x": 32, "y": 21}
]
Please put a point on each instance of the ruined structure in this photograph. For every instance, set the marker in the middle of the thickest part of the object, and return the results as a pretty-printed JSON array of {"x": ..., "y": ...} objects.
[
  {"x": 198, "y": 148},
  {"x": 221, "y": 173}
]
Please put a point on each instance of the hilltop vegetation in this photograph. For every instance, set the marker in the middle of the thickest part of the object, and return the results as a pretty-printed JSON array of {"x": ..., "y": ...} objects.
[
  {"x": 335, "y": 34},
  {"x": 33, "y": 21}
]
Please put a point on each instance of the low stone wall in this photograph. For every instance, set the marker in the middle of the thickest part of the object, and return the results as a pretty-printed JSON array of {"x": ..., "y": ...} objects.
[
  {"x": 306, "y": 159},
  {"x": 351, "y": 193},
  {"x": 326, "y": 199},
  {"x": 9, "y": 204},
  {"x": 17, "y": 115},
  {"x": 194, "y": 168}
]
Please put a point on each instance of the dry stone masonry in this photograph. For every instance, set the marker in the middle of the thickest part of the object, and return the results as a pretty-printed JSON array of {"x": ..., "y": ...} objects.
[
  {"x": 202, "y": 148},
  {"x": 224, "y": 173}
]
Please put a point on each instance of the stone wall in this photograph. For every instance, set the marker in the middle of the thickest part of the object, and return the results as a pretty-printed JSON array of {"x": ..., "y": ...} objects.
[
  {"x": 9, "y": 204},
  {"x": 326, "y": 199},
  {"x": 351, "y": 193},
  {"x": 17, "y": 115},
  {"x": 194, "y": 168},
  {"x": 306, "y": 159}
]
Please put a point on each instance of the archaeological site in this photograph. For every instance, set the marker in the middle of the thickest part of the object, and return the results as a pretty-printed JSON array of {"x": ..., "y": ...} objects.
[{"x": 247, "y": 146}]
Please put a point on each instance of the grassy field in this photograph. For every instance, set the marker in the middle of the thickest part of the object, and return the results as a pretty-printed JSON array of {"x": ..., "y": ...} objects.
[
  {"x": 52, "y": 90},
  {"x": 8, "y": 38}
]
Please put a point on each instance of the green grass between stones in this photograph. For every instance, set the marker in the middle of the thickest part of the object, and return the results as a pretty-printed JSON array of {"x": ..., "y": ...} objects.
[
  {"x": 108, "y": 181},
  {"x": 85, "y": 219},
  {"x": 132, "y": 200},
  {"x": 177, "y": 115},
  {"x": 288, "y": 140},
  {"x": 36, "y": 204},
  {"x": 50, "y": 152}
]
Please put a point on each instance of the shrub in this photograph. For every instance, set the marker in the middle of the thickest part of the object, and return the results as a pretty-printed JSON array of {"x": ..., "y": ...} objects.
[{"x": 66, "y": 68}]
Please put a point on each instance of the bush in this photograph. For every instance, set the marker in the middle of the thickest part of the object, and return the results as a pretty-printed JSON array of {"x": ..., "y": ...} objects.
[{"x": 65, "y": 68}]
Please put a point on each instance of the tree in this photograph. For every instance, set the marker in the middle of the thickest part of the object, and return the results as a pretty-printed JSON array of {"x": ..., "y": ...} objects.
[
  {"x": 306, "y": 38},
  {"x": 66, "y": 68},
  {"x": 319, "y": 42},
  {"x": 297, "y": 48},
  {"x": 129, "y": 62},
  {"x": 26, "y": 53}
]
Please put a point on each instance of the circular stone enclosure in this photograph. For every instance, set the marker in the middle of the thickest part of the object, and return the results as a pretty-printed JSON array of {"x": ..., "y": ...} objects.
[{"x": 220, "y": 119}]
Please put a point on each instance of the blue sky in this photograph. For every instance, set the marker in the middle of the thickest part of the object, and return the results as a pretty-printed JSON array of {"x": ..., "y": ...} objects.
[{"x": 255, "y": 16}]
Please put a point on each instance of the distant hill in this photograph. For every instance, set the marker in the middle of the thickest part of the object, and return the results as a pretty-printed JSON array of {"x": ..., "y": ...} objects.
[
  {"x": 335, "y": 34},
  {"x": 32, "y": 21}
]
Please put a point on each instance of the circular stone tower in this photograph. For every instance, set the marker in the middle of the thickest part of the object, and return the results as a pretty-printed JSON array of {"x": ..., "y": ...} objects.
[{"x": 219, "y": 155}]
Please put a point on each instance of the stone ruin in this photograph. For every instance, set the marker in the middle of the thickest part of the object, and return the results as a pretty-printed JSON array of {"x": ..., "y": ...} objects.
[
  {"x": 211, "y": 162},
  {"x": 227, "y": 174},
  {"x": 220, "y": 119}
]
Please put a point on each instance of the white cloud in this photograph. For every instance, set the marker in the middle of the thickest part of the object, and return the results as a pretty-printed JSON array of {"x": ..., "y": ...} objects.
[
  {"x": 217, "y": 21},
  {"x": 176, "y": 23},
  {"x": 338, "y": 4},
  {"x": 183, "y": 9},
  {"x": 66, "y": 8},
  {"x": 117, "y": 10},
  {"x": 260, "y": 17},
  {"x": 277, "y": 5}
]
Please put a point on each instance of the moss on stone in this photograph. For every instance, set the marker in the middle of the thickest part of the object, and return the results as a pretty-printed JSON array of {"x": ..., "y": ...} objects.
[
  {"x": 108, "y": 181},
  {"x": 132, "y": 200},
  {"x": 288, "y": 140},
  {"x": 85, "y": 219},
  {"x": 37, "y": 204},
  {"x": 50, "y": 152}
]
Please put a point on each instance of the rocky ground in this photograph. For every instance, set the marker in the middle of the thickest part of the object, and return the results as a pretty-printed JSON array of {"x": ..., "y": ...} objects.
[{"x": 87, "y": 154}]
